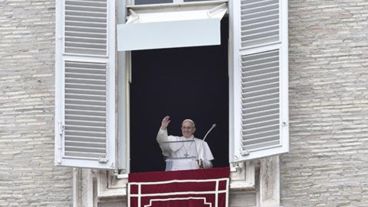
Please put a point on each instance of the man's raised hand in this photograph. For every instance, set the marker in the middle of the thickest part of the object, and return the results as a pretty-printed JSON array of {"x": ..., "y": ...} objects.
[{"x": 165, "y": 122}]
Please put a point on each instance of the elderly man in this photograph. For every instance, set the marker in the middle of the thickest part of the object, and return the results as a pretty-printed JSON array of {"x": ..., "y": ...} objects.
[{"x": 185, "y": 152}]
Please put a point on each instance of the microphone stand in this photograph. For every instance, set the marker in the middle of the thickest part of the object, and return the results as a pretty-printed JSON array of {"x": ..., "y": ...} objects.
[
  {"x": 200, "y": 163},
  {"x": 212, "y": 127}
]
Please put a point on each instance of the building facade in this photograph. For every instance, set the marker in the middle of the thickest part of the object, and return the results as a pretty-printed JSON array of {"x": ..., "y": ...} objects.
[{"x": 326, "y": 163}]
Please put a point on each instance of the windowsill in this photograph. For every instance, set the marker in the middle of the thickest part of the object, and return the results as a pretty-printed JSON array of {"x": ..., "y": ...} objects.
[{"x": 242, "y": 177}]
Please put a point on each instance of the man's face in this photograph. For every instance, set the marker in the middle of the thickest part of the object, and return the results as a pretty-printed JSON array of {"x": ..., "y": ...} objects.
[{"x": 187, "y": 129}]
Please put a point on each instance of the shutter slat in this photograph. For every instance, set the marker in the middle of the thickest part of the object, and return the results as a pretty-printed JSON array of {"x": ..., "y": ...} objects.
[
  {"x": 88, "y": 5},
  {"x": 81, "y": 107},
  {"x": 257, "y": 3},
  {"x": 83, "y": 133},
  {"x": 85, "y": 117},
  {"x": 85, "y": 80},
  {"x": 84, "y": 122},
  {"x": 261, "y": 76},
  {"x": 84, "y": 155},
  {"x": 81, "y": 144},
  {"x": 264, "y": 11},
  {"x": 258, "y": 108},
  {"x": 262, "y": 99},
  {"x": 260, "y": 124},
  {"x": 85, "y": 39},
  {"x": 86, "y": 148},
  {"x": 85, "y": 128},
  {"x": 259, "y": 139},
  {"x": 88, "y": 70},
  {"x": 86, "y": 112},
  {"x": 85, "y": 96},
  {"x": 86, "y": 24},
  {"x": 260, "y": 71},
  {"x": 74, "y": 11},
  {"x": 80, "y": 34},
  {"x": 274, "y": 128},
  {"x": 78, "y": 50},
  {"x": 259, "y": 25},
  {"x": 251, "y": 114},
  {"x": 85, "y": 75},
  {"x": 85, "y": 86},
  {"x": 257, "y": 135},
  {"x": 86, "y": 102},
  {"x": 263, "y": 144},
  {"x": 260, "y": 118},
  {"x": 260, "y": 91}
]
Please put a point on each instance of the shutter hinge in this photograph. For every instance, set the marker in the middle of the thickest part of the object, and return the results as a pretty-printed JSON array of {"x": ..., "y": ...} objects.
[
  {"x": 61, "y": 129},
  {"x": 244, "y": 152},
  {"x": 60, "y": 144},
  {"x": 103, "y": 160}
]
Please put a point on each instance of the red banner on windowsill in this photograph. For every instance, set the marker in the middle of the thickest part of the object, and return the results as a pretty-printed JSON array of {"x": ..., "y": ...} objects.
[{"x": 185, "y": 188}]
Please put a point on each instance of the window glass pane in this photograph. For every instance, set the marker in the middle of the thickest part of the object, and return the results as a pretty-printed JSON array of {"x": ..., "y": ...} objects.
[{"x": 138, "y": 2}]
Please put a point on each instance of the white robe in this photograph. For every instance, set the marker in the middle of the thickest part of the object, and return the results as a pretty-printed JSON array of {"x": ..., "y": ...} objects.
[{"x": 184, "y": 153}]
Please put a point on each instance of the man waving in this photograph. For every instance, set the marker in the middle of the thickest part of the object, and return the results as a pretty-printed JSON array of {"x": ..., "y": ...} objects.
[{"x": 185, "y": 152}]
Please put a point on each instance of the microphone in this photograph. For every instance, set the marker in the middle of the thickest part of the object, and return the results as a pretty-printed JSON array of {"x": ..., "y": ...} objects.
[{"x": 212, "y": 127}]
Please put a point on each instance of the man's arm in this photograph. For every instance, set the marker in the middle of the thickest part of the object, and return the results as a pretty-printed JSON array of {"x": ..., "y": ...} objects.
[
  {"x": 162, "y": 135},
  {"x": 206, "y": 156}
]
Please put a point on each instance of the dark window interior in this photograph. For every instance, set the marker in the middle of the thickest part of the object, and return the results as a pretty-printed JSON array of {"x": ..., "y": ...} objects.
[{"x": 183, "y": 83}]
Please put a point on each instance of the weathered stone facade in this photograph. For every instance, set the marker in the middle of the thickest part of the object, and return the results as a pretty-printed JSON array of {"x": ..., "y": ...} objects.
[
  {"x": 27, "y": 173},
  {"x": 328, "y": 63}
]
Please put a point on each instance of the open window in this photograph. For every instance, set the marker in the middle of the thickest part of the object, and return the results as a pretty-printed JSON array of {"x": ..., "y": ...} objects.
[
  {"x": 85, "y": 131},
  {"x": 190, "y": 82}
]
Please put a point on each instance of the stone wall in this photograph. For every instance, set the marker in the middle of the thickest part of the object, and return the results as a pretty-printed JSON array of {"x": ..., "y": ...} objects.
[
  {"x": 27, "y": 173},
  {"x": 328, "y": 56}
]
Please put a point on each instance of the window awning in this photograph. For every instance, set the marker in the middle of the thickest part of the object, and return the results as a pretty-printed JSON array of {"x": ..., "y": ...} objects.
[{"x": 170, "y": 29}]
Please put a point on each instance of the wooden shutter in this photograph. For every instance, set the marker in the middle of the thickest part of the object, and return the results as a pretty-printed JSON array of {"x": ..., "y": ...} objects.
[
  {"x": 259, "y": 78},
  {"x": 85, "y": 84}
]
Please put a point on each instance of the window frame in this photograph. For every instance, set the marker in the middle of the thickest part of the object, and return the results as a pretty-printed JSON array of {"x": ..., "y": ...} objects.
[{"x": 234, "y": 82}]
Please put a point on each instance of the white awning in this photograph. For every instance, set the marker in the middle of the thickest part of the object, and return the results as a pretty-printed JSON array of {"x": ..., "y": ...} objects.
[{"x": 169, "y": 29}]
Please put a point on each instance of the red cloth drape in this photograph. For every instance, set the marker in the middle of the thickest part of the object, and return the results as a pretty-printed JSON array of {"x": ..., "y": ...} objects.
[{"x": 186, "y": 188}]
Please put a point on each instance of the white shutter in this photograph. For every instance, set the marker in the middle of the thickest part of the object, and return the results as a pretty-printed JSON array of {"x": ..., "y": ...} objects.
[
  {"x": 85, "y": 84},
  {"x": 259, "y": 79}
]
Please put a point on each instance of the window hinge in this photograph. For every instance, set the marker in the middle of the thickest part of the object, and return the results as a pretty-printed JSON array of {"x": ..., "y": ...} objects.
[
  {"x": 103, "y": 160},
  {"x": 61, "y": 129},
  {"x": 244, "y": 153}
]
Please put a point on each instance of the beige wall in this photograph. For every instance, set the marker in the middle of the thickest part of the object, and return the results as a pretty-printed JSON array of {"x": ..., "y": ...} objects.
[
  {"x": 27, "y": 173},
  {"x": 328, "y": 56}
]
